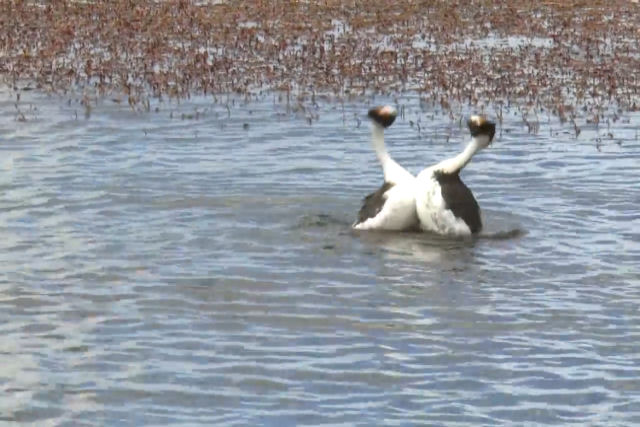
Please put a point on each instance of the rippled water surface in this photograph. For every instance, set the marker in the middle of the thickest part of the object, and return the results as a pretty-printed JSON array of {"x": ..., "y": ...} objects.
[{"x": 196, "y": 265}]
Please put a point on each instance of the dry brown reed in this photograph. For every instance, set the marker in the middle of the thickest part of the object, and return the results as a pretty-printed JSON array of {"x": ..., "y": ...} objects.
[{"x": 572, "y": 58}]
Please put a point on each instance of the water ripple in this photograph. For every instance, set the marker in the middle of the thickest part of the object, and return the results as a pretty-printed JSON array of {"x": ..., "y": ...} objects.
[{"x": 156, "y": 270}]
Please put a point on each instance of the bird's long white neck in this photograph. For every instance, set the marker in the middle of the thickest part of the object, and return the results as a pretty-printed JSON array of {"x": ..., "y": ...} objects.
[
  {"x": 393, "y": 172},
  {"x": 377, "y": 139},
  {"x": 456, "y": 163}
]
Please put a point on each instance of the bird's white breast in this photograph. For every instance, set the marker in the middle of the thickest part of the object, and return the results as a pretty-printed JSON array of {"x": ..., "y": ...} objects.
[
  {"x": 432, "y": 210},
  {"x": 398, "y": 212}
]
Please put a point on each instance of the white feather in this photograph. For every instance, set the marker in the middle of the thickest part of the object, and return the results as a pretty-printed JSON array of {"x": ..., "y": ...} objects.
[
  {"x": 393, "y": 172},
  {"x": 398, "y": 212},
  {"x": 432, "y": 210}
]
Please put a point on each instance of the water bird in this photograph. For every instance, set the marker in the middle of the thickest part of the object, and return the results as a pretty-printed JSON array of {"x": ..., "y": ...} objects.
[
  {"x": 392, "y": 206},
  {"x": 444, "y": 204}
]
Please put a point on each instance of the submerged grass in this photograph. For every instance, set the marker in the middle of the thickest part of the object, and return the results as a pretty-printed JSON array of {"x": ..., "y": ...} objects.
[{"x": 572, "y": 58}]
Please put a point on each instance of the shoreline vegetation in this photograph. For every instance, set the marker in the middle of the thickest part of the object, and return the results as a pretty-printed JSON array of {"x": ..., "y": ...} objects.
[{"x": 572, "y": 59}]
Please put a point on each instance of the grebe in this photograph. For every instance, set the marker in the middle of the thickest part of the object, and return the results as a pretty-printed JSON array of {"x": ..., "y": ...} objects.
[
  {"x": 443, "y": 203},
  {"x": 392, "y": 206}
]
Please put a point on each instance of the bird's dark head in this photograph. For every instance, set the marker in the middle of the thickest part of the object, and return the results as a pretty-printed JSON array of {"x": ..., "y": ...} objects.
[
  {"x": 482, "y": 129},
  {"x": 383, "y": 115}
]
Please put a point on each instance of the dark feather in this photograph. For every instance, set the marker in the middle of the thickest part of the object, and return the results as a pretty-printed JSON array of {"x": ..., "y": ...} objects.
[
  {"x": 373, "y": 203},
  {"x": 460, "y": 200}
]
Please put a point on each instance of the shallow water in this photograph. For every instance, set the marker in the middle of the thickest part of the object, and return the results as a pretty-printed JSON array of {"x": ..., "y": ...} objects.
[{"x": 196, "y": 266}]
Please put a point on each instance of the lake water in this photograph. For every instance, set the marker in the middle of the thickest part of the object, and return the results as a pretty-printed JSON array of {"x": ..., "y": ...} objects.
[{"x": 196, "y": 266}]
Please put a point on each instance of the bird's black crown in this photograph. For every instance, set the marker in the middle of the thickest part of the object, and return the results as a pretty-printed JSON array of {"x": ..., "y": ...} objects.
[
  {"x": 479, "y": 125},
  {"x": 383, "y": 115}
]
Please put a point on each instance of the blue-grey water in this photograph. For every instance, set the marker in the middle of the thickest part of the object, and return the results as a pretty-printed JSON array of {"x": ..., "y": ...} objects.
[{"x": 195, "y": 266}]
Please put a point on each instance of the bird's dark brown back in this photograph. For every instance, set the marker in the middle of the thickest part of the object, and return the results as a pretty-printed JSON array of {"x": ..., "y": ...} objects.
[
  {"x": 459, "y": 199},
  {"x": 373, "y": 203}
]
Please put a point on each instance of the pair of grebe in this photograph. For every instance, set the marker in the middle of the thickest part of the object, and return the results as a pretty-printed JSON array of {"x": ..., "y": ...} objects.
[{"x": 436, "y": 200}]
